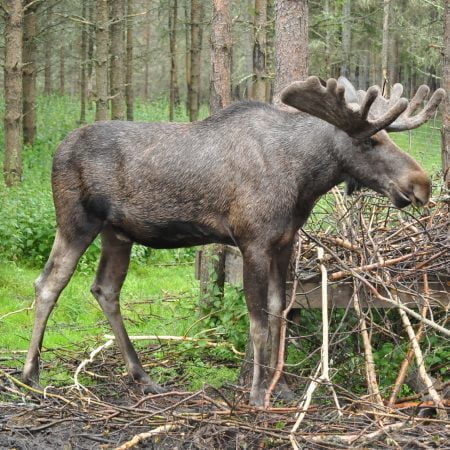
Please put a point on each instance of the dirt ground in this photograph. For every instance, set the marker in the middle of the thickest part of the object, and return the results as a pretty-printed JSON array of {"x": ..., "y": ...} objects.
[{"x": 73, "y": 419}]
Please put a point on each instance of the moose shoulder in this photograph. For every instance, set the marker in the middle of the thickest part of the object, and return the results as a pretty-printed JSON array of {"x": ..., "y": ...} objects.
[{"x": 247, "y": 176}]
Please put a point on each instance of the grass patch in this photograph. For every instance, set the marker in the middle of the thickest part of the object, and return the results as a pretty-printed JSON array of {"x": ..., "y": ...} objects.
[{"x": 156, "y": 300}]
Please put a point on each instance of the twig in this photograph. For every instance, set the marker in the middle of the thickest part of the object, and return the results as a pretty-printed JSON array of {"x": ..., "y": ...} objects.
[
  {"x": 148, "y": 434},
  {"x": 440, "y": 410},
  {"x": 324, "y": 364}
]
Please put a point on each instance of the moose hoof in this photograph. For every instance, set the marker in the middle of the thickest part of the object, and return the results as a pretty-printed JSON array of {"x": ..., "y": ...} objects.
[
  {"x": 150, "y": 387},
  {"x": 153, "y": 388}
]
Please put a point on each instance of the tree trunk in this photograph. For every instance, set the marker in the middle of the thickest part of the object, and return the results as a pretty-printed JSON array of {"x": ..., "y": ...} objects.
[
  {"x": 446, "y": 86},
  {"x": 291, "y": 43},
  {"x": 212, "y": 273},
  {"x": 62, "y": 70},
  {"x": 48, "y": 50},
  {"x": 385, "y": 49},
  {"x": 346, "y": 38},
  {"x": 90, "y": 58},
  {"x": 196, "y": 48},
  {"x": 29, "y": 73},
  {"x": 117, "y": 60},
  {"x": 259, "y": 50},
  {"x": 83, "y": 57},
  {"x": 326, "y": 10},
  {"x": 129, "y": 89},
  {"x": 173, "y": 85},
  {"x": 101, "y": 60},
  {"x": 187, "y": 56},
  {"x": 147, "y": 38},
  {"x": 220, "y": 94},
  {"x": 12, "y": 168}
]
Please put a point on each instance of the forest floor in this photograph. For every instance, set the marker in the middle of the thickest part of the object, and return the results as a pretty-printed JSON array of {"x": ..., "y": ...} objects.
[{"x": 112, "y": 413}]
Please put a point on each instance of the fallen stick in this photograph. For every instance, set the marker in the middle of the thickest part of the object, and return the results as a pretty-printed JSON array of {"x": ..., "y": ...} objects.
[{"x": 148, "y": 434}]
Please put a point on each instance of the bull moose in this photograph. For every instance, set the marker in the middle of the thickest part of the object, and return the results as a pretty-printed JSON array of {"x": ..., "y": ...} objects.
[{"x": 247, "y": 176}]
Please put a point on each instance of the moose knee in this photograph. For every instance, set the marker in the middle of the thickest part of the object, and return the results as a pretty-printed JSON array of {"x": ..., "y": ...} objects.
[{"x": 108, "y": 300}]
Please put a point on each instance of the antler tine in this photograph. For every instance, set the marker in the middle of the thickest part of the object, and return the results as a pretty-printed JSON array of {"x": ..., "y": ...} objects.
[
  {"x": 396, "y": 93},
  {"x": 408, "y": 122},
  {"x": 328, "y": 103},
  {"x": 367, "y": 99},
  {"x": 416, "y": 101}
]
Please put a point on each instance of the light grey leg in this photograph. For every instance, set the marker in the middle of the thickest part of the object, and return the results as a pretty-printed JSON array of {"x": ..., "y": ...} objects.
[{"x": 57, "y": 272}]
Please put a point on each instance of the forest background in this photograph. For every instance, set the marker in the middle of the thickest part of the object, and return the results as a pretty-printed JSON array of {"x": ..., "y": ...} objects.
[{"x": 68, "y": 63}]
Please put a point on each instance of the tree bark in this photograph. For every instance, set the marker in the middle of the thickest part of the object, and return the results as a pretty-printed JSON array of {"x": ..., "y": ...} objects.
[
  {"x": 385, "y": 48},
  {"x": 90, "y": 57},
  {"x": 48, "y": 50},
  {"x": 117, "y": 60},
  {"x": 291, "y": 43},
  {"x": 187, "y": 56},
  {"x": 62, "y": 69},
  {"x": 129, "y": 88},
  {"x": 101, "y": 60},
  {"x": 147, "y": 38},
  {"x": 220, "y": 93},
  {"x": 260, "y": 50},
  {"x": 29, "y": 72},
  {"x": 83, "y": 57},
  {"x": 346, "y": 38},
  {"x": 196, "y": 47},
  {"x": 446, "y": 86},
  {"x": 12, "y": 168},
  {"x": 212, "y": 273},
  {"x": 173, "y": 85}
]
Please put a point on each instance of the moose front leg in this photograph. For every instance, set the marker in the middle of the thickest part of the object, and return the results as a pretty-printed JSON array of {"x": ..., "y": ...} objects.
[{"x": 256, "y": 271}]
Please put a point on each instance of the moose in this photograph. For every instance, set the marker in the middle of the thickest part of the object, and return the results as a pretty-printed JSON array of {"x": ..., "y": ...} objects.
[{"x": 247, "y": 176}]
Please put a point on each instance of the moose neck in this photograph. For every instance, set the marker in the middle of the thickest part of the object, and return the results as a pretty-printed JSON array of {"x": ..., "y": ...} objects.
[{"x": 316, "y": 160}]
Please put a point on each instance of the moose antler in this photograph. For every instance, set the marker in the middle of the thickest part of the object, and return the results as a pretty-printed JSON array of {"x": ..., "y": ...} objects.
[
  {"x": 328, "y": 103},
  {"x": 406, "y": 121}
]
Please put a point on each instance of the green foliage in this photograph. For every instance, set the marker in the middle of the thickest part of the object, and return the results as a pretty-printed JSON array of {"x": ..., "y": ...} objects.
[{"x": 228, "y": 316}]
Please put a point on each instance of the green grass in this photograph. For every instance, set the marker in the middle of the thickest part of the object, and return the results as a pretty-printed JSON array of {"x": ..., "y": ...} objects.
[{"x": 155, "y": 300}]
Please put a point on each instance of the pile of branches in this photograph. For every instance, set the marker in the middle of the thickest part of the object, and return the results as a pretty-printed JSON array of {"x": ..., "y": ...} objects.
[
  {"x": 398, "y": 258},
  {"x": 366, "y": 235}
]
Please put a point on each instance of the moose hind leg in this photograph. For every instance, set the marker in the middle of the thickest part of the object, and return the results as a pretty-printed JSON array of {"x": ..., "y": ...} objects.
[
  {"x": 60, "y": 266},
  {"x": 110, "y": 276}
]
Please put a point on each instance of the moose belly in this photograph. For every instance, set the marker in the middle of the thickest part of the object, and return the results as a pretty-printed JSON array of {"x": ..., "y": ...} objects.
[{"x": 173, "y": 235}]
